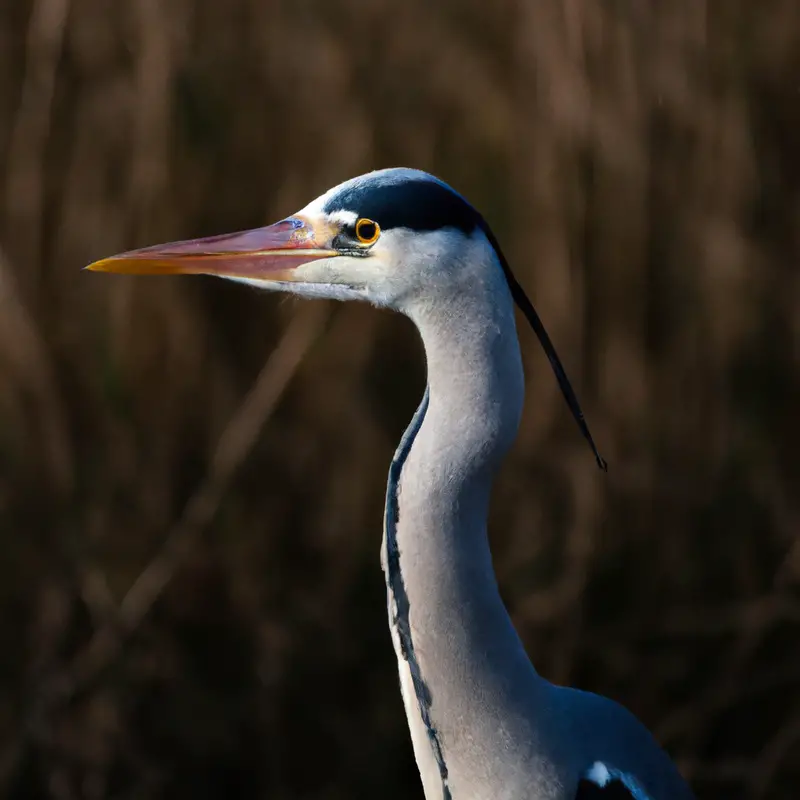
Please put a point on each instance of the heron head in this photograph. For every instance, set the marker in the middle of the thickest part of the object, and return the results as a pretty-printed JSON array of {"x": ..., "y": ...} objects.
[
  {"x": 386, "y": 237},
  {"x": 398, "y": 237}
]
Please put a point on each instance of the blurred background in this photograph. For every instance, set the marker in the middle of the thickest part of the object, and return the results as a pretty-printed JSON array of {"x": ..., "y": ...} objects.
[{"x": 192, "y": 473}]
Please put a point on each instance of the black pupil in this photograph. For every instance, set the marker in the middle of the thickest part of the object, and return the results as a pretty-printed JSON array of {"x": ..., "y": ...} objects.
[{"x": 366, "y": 230}]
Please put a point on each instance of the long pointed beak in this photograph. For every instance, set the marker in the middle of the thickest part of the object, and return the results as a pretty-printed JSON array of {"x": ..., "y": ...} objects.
[{"x": 270, "y": 253}]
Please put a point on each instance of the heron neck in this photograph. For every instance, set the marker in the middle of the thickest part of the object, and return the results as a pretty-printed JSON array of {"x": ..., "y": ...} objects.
[
  {"x": 475, "y": 395},
  {"x": 452, "y": 632}
]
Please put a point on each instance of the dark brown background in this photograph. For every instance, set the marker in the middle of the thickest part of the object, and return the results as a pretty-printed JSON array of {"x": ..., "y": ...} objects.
[{"x": 193, "y": 607}]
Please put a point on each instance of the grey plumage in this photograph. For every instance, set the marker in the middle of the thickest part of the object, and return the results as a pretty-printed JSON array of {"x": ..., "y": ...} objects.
[{"x": 484, "y": 724}]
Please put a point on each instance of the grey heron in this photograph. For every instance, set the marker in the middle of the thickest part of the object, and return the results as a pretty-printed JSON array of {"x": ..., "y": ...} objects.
[{"x": 483, "y": 723}]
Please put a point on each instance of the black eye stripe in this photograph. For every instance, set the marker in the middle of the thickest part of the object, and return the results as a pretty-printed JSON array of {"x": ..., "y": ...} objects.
[{"x": 421, "y": 205}]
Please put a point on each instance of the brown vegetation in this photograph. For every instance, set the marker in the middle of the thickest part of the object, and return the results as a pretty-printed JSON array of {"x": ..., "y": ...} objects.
[{"x": 191, "y": 599}]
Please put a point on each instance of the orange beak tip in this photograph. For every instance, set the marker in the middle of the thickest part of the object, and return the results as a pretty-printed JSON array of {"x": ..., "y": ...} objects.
[{"x": 122, "y": 265}]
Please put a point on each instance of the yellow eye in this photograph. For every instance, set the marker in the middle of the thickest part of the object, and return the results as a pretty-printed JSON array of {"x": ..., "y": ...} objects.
[{"x": 367, "y": 231}]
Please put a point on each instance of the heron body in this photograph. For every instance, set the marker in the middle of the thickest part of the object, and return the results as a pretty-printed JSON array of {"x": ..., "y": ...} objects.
[{"x": 484, "y": 724}]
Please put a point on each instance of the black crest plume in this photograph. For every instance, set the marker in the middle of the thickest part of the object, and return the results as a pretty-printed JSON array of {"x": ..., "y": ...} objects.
[{"x": 525, "y": 305}]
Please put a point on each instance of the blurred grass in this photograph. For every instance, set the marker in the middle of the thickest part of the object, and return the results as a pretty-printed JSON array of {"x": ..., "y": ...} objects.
[{"x": 637, "y": 160}]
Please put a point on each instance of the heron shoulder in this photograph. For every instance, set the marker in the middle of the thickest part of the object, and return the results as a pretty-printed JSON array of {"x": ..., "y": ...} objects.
[{"x": 602, "y": 782}]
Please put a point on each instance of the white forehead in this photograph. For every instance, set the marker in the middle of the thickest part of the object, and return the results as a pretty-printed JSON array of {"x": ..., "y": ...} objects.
[{"x": 342, "y": 216}]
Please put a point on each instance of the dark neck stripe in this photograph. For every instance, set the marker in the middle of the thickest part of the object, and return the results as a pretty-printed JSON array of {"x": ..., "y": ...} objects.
[{"x": 397, "y": 589}]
